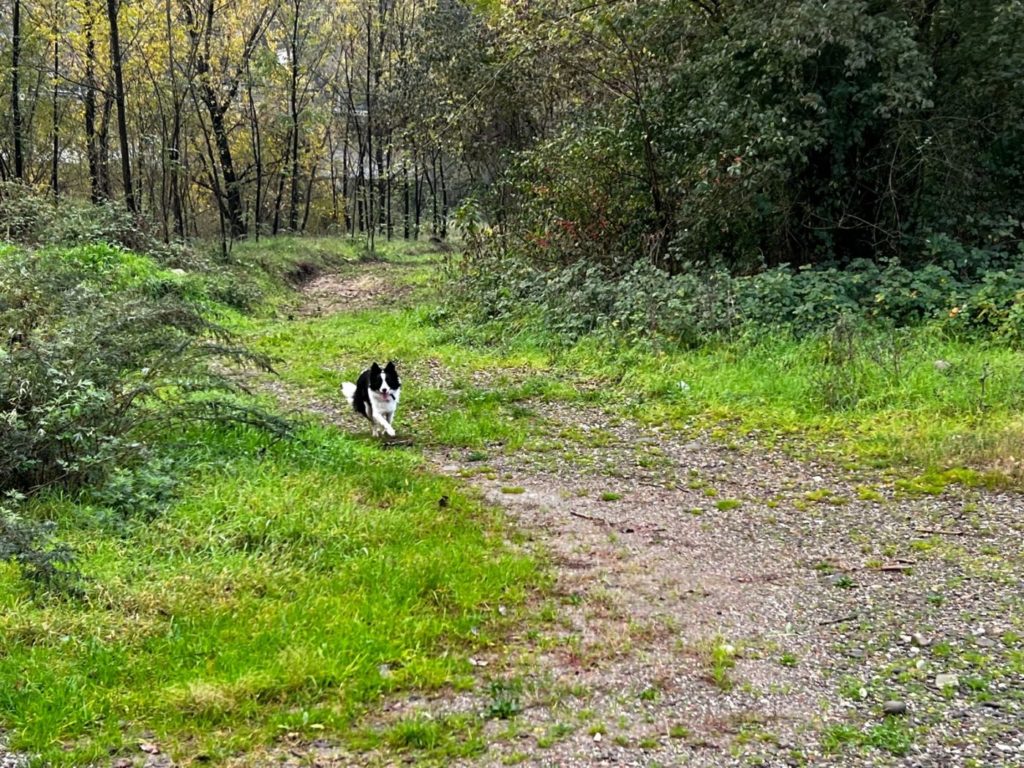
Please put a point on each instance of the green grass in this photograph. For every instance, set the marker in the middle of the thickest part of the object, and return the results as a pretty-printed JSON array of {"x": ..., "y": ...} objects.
[
  {"x": 268, "y": 598},
  {"x": 291, "y": 585},
  {"x": 797, "y": 394},
  {"x": 891, "y": 735},
  {"x": 720, "y": 658}
]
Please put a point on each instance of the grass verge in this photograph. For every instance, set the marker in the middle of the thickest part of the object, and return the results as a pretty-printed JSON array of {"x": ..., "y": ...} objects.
[
  {"x": 916, "y": 399},
  {"x": 285, "y": 589}
]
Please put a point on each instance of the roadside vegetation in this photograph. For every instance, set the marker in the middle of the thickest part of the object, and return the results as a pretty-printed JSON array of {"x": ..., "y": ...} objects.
[{"x": 187, "y": 566}]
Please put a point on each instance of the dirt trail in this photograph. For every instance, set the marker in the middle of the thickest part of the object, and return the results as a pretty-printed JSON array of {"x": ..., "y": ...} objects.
[{"x": 719, "y": 606}]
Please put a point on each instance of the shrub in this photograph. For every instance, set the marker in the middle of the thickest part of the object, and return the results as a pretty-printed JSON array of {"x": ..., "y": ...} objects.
[
  {"x": 30, "y": 546},
  {"x": 691, "y": 306},
  {"x": 100, "y": 350}
]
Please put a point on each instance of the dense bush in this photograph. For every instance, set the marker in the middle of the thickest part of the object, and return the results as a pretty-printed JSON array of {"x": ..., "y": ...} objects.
[
  {"x": 32, "y": 218},
  {"x": 696, "y": 304},
  {"x": 30, "y": 545},
  {"x": 102, "y": 353},
  {"x": 880, "y": 143},
  {"x": 101, "y": 347}
]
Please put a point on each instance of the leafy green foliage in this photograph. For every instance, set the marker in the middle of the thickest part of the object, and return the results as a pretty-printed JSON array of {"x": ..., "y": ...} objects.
[
  {"x": 32, "y": 218},
  {"x": 99, "y": 352},
  {"x": 30, "y": 546},
  {"x": 710, "y": 142},
  {"x": 983, "y": 297},
  {"x": 103, "y": 353}
]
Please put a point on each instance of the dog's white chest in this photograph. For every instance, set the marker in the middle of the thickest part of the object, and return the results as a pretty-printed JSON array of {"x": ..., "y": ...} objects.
[{"x": 385, "y": 405}]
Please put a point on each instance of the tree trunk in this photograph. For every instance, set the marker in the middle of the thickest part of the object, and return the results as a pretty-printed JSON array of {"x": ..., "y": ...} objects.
[
  {"x": 278, "y": 201},
  {"x": 174, "y": 149},
  {"x": 309, "y": 198},
  {"x": 333, "y": 170},
  {"x": 232, "y": 186},
  {"x": 444, "y": 196},
  {"x": 418, "y": 196},
  {"x": 370, "y": 223},
  {"x": 91, "y": 151},
  {"x": 432, "y": 181},
  {"x": 349, "y": 225},
  {"x": 388, "y": 218},
  {"x": 55, "y": 126},
  {"x": 103, "y": 150},
  {"x": 122, "y": 120},
  {"x": 257, "y": 154},
  {"x": 293, "y": 104},
  {"x": 406, "y": 224},
  {"x": 19, "y": 151}
]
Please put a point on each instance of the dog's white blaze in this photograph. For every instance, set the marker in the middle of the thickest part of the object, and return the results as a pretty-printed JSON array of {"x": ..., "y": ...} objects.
[{"x": 384, "y": 403}]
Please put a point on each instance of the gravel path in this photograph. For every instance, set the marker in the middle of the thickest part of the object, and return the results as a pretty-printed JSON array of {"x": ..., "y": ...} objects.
[
  {"x": 719, "y": 606},
  {"x": 732, "y": 607}
]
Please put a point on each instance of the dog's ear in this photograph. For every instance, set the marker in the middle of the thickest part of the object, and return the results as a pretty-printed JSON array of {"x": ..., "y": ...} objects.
[
  {"x": 375, "y": 366},
  {"x": 390, "y": 366}
]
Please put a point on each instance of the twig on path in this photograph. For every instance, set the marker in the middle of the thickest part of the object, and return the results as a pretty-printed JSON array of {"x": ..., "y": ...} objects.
[
  {"x": 589, "y": 517},
  {"x": 829, "y": 622},
  {"x": 942, "y": 532},
  {"x": 896, "y": 567}
]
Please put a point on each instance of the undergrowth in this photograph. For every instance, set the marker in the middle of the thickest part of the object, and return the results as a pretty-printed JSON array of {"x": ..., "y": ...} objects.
[{"x": 804, "y": 369}]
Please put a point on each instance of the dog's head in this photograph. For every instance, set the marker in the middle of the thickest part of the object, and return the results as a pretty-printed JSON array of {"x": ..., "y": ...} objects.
[{"x": 384, "y": 381}]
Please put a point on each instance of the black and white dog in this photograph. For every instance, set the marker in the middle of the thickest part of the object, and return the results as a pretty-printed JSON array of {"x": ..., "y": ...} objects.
[{"x": 375, "y": 396}]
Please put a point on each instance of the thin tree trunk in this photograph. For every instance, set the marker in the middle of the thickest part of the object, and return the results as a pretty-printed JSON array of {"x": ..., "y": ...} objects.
[
  {"x": 406, "y": 224},
  {"x": 122, "y": 119},
  {"x": 278, "y": 202},
  {"x": 309, "y": 198},
  {"x": 257, "y": 153},
  {"x": 388, "y": 218},
  {"x": 91, "y": 151},
  {"x": 444, "y": 197},
  {"x": 370, "y": 223},
  {"x": 432, "y": 180},
  {"x": 55, "y": 128},
  {"x": 16, "y": 127},
  {"x": 349, "y": 225},
  {"x": 293, "y": 104},
  {"x": 334, "y": 174},
  {"x": 174, "y": 150},
  {"x": 103, "y": 147},
  {"x": 418, "y": 197}
]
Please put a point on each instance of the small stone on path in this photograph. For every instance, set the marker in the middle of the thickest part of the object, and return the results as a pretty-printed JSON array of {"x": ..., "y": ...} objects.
[
  {"x": 947, "y": 680},
  {"x": 895, "y": 707}
]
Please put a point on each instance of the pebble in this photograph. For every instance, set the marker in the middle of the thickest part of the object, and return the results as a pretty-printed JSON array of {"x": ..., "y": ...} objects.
[
  {"x": 985, "y": 642},
  {"x": 920, "y": 640},
  {"x": 947, "y": 680},
  {"x": 895, "y": 707}
]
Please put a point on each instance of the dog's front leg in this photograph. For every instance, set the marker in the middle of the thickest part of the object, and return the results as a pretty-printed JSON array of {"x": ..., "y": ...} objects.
[{"x": 384, "y": 423}]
